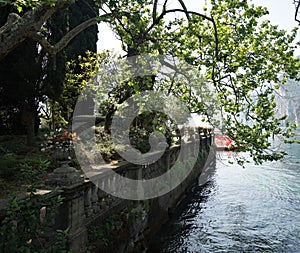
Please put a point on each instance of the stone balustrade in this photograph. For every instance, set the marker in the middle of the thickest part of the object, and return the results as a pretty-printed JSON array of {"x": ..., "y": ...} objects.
[{"x": 85, "y": 203}]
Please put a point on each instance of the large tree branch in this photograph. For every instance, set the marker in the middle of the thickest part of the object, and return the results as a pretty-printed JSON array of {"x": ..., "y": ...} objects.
[
  {"x": 185, "y": 9},
  {"x": 17, "y": 28},
  {"x": 188, "y": 13},
  {"x": 64, "y": 41},
  {"x": 297, "y": 6}
]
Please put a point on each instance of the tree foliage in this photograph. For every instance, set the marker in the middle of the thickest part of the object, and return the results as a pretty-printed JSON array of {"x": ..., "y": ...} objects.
[
  {"x": 243, "y": 58},
  {"x": 30, "y": 75}
]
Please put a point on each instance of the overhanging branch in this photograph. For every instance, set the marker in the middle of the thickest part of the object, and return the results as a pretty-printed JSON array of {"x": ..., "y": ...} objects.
[
  {"x": 297, "y": 6},
  {"x": 17, "y": 28},
  {"x": 64, "y": 41}
]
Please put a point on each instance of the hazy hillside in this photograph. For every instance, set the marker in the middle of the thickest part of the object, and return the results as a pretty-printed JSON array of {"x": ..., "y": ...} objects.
[{"x": 288, "y": 100}]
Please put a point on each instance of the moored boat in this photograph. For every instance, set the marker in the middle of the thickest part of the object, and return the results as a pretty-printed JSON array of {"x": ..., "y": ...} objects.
[{"x": 225, "y": 143}]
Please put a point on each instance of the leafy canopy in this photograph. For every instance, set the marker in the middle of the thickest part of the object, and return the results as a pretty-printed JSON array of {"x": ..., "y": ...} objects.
[
  {"x": 244, "y": 61},
  {"x": 19, "y": 5}
]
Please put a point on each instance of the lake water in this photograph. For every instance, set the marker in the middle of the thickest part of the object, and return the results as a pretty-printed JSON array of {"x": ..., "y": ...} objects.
[{"x": 255, "y": 209}]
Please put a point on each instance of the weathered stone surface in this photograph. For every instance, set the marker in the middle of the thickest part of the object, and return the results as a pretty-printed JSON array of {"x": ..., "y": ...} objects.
[{"x": 64, "y": 176}]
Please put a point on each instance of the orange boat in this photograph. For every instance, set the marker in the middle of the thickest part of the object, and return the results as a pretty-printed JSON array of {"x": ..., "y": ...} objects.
[{"x": 225, "y": 143}]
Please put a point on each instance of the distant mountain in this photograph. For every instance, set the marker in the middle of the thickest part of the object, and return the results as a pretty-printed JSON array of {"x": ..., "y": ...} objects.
[{"x": 288, "y": 100}]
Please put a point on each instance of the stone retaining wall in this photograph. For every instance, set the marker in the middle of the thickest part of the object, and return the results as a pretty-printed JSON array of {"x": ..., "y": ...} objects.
[{"x": 85, "y": 204}]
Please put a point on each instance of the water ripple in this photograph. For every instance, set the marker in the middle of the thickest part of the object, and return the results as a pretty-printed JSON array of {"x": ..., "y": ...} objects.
[{"x": 256, "y": 209}]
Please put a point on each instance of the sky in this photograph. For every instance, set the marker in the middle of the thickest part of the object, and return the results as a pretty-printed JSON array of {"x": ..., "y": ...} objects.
[{"x": 281, "y": 13}]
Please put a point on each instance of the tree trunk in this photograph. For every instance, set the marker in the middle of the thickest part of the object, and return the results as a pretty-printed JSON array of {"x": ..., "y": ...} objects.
[
  {"x": 108, "y": 120},
  {"x": 28, "y": 121},
  {"x": 30, "y": 132}
]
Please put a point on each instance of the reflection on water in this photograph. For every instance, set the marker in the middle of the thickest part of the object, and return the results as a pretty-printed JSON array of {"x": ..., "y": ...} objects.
[{"x": 256, "y": 209}]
